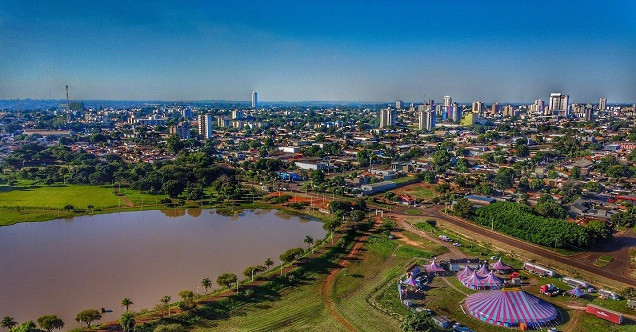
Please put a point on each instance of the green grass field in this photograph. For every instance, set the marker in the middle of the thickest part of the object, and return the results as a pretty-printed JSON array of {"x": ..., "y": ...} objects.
[
  {"x": 420, "y": 192},
  {"x": 57, "y": 197},
  {"x": 603, "y": 261}
]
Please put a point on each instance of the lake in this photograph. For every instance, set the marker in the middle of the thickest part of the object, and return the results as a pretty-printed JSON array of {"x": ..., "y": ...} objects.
[{"x": 65, "y": 266}]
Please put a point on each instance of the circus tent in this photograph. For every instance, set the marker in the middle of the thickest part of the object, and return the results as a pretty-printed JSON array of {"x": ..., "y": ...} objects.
[
  {"x": 500, "y": 266},
  {"x": 433, "y": 267},
  {"x": 510, "y": 308},
  {"x": 474, "y": 281},
  {"x": 576, "y": 292},
  {"x": 491, "y": 281},
  {"x": 483, "y": 270},
  {"x": 466, "y": 272}
]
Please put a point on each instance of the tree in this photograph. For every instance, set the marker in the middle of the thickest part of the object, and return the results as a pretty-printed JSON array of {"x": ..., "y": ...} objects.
[
  {"x": 417, "y": 322},
  {"x": 88, "y": 316},
  {"x": 126, "y": 302},
  {"x": 291, "y": 255},
  {"x": 50, "y": 322},
  {"x": 463, "y": 208},
  {"x": 600, "y": 229},
  {"x": 174, "y": 143},
  {"x": 357, "y": 215},
  {"x": 227, "y": 280},
  {"x": 249, "y": 272},
  {"x": 504, "y": 178},
  {"x": 127, "y": 321},
  {"x": 269, "y": 262},
  {"x": 187, "y": 300},
  {"x": 522, "y": 151},
  {"x": 28, "y": 326},
  {"x": 172, "y": 188},
  {"x": 575, "y": 173},
  {"x": 309, "y": 240},
  {"x": 166, "y": 300},
  {"x": 206, "y": 283},
  {"x": 8, "y": 322}
]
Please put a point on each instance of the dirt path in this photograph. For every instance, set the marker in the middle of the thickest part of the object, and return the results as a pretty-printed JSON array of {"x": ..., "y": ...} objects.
[
  {"x": 124, "y": 198},
  {"x": 327, "y": 286}
]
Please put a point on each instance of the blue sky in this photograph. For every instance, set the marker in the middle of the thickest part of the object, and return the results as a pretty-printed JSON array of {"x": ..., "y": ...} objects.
[{"x": 318, "y": 50}]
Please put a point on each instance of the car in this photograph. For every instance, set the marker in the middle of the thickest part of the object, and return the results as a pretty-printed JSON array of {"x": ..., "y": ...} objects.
[
  {"x": 391, "y": 236},
  {"x": 494, "y": 258},
  {"x": 457, "y": 244}
]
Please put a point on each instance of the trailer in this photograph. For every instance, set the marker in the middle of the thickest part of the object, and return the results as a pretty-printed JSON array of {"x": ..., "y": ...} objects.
[
  {"x": 606, "y": 294},
  {"x": 538, "y": 269},
  {"x": 608, "y": 315},
  {"x": 576, "y": 282}
]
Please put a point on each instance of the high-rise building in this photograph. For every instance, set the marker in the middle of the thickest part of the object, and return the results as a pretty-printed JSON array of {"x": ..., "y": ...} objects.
[
  {"x": 223, "y": 122},
  {"x": 509, "y": 111},
  {"x": 237, "y": 114},
  {"x": 206, "y": 122},
  {"x": 478, "y": 107},
  {"x": 494, "y": 109},
  {"x": 182, "y": 130},
  {"x": 559, "y": 103},
  {"x": 448, "y": 101},
  {"x": 387, "y": 117},
  {"x": 427, "y": 120},
  {"x": 588, "y": 112},
  {"x": 254, "y": 99},
  {"x": 399, "y": 104},
  {"x": 602, "y": 104},
  {"x": 456, "y": 114}
]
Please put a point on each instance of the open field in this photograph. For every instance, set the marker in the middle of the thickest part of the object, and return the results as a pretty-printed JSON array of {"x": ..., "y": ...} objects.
[
  {"x": 418, "y": 190},
  {"x": 57, "y": 197}
]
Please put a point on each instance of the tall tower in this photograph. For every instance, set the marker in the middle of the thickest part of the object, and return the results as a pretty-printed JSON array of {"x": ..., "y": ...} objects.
[
  {"x": 399, "y": 104},
  {"x": 426, "y": 120},
  {"x": 448, "y": 101},
  {"x": 68, "y": 106},
  {"x": 602, "y": 104},
  {"x": 559, "y": 103},
  {"x": 254, "y": 99}
]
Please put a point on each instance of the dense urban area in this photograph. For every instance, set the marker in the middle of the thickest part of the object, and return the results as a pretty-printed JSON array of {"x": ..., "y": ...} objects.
[{"x": 427, "y": 207}]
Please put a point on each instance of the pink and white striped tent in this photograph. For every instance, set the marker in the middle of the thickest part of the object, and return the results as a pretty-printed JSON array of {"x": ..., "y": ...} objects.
[
  {"x": 509, "y": 308},
  {"x": 500, "y": 266},
  {"x": 491, "y": 281},
  {"x": 474, "y": 281},
  {"x": 466, "y": 272},
  {"x": 433, "y": 268},
  {"x": 483, "y": 270}
]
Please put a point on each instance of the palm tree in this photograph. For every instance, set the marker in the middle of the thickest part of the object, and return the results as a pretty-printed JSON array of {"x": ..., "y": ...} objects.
[
  {"x": 8, "y": 322},
  {"x": 166, "y": 299},
  {"x": 269, "y": 262},
  {"x": 309, "y": 240},
  {"x": 206, "y": 283},
  {"x": 126, "y": 302}
]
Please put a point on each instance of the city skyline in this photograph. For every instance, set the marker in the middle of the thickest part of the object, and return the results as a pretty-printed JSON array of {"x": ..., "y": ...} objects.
[{"x": 308, "y": 52}]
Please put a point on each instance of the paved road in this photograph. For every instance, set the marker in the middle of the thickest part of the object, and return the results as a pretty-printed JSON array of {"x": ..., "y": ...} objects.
[{"x": 435, "y": 212}]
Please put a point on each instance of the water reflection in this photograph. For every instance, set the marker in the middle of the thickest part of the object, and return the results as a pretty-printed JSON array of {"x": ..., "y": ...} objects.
[{"x": 63, "y": 267}]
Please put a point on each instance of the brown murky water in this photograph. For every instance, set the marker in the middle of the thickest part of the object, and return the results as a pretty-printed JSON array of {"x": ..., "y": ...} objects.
[{"x": 65, "y": 266}]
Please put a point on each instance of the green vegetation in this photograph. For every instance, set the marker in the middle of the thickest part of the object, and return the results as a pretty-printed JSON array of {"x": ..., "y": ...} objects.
[
  {"x": 519, "y": 220},
  {"x": 603, "y": 260},
  {"x": 413, "y": 212},
  {"x": 421, "y": 192},
  {"x": 56, "y": 197}
]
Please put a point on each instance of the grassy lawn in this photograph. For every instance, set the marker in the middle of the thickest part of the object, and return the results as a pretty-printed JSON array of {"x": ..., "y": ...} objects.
[
  {"x": 403, "y": 179},
  {"x": 57, "y": 197},
  {"x": 603, "y": 261},
  {"x": 421, "y": 192},
  {"x": 413, "y": 212}
]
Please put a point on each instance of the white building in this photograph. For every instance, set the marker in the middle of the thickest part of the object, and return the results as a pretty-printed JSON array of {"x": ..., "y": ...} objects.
[
  {"x": 254, "y": 99},
  {"x": 559, "y": 103},
  {"x": 427, "y": 120},
  {"x": 206, "y": 122}
]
